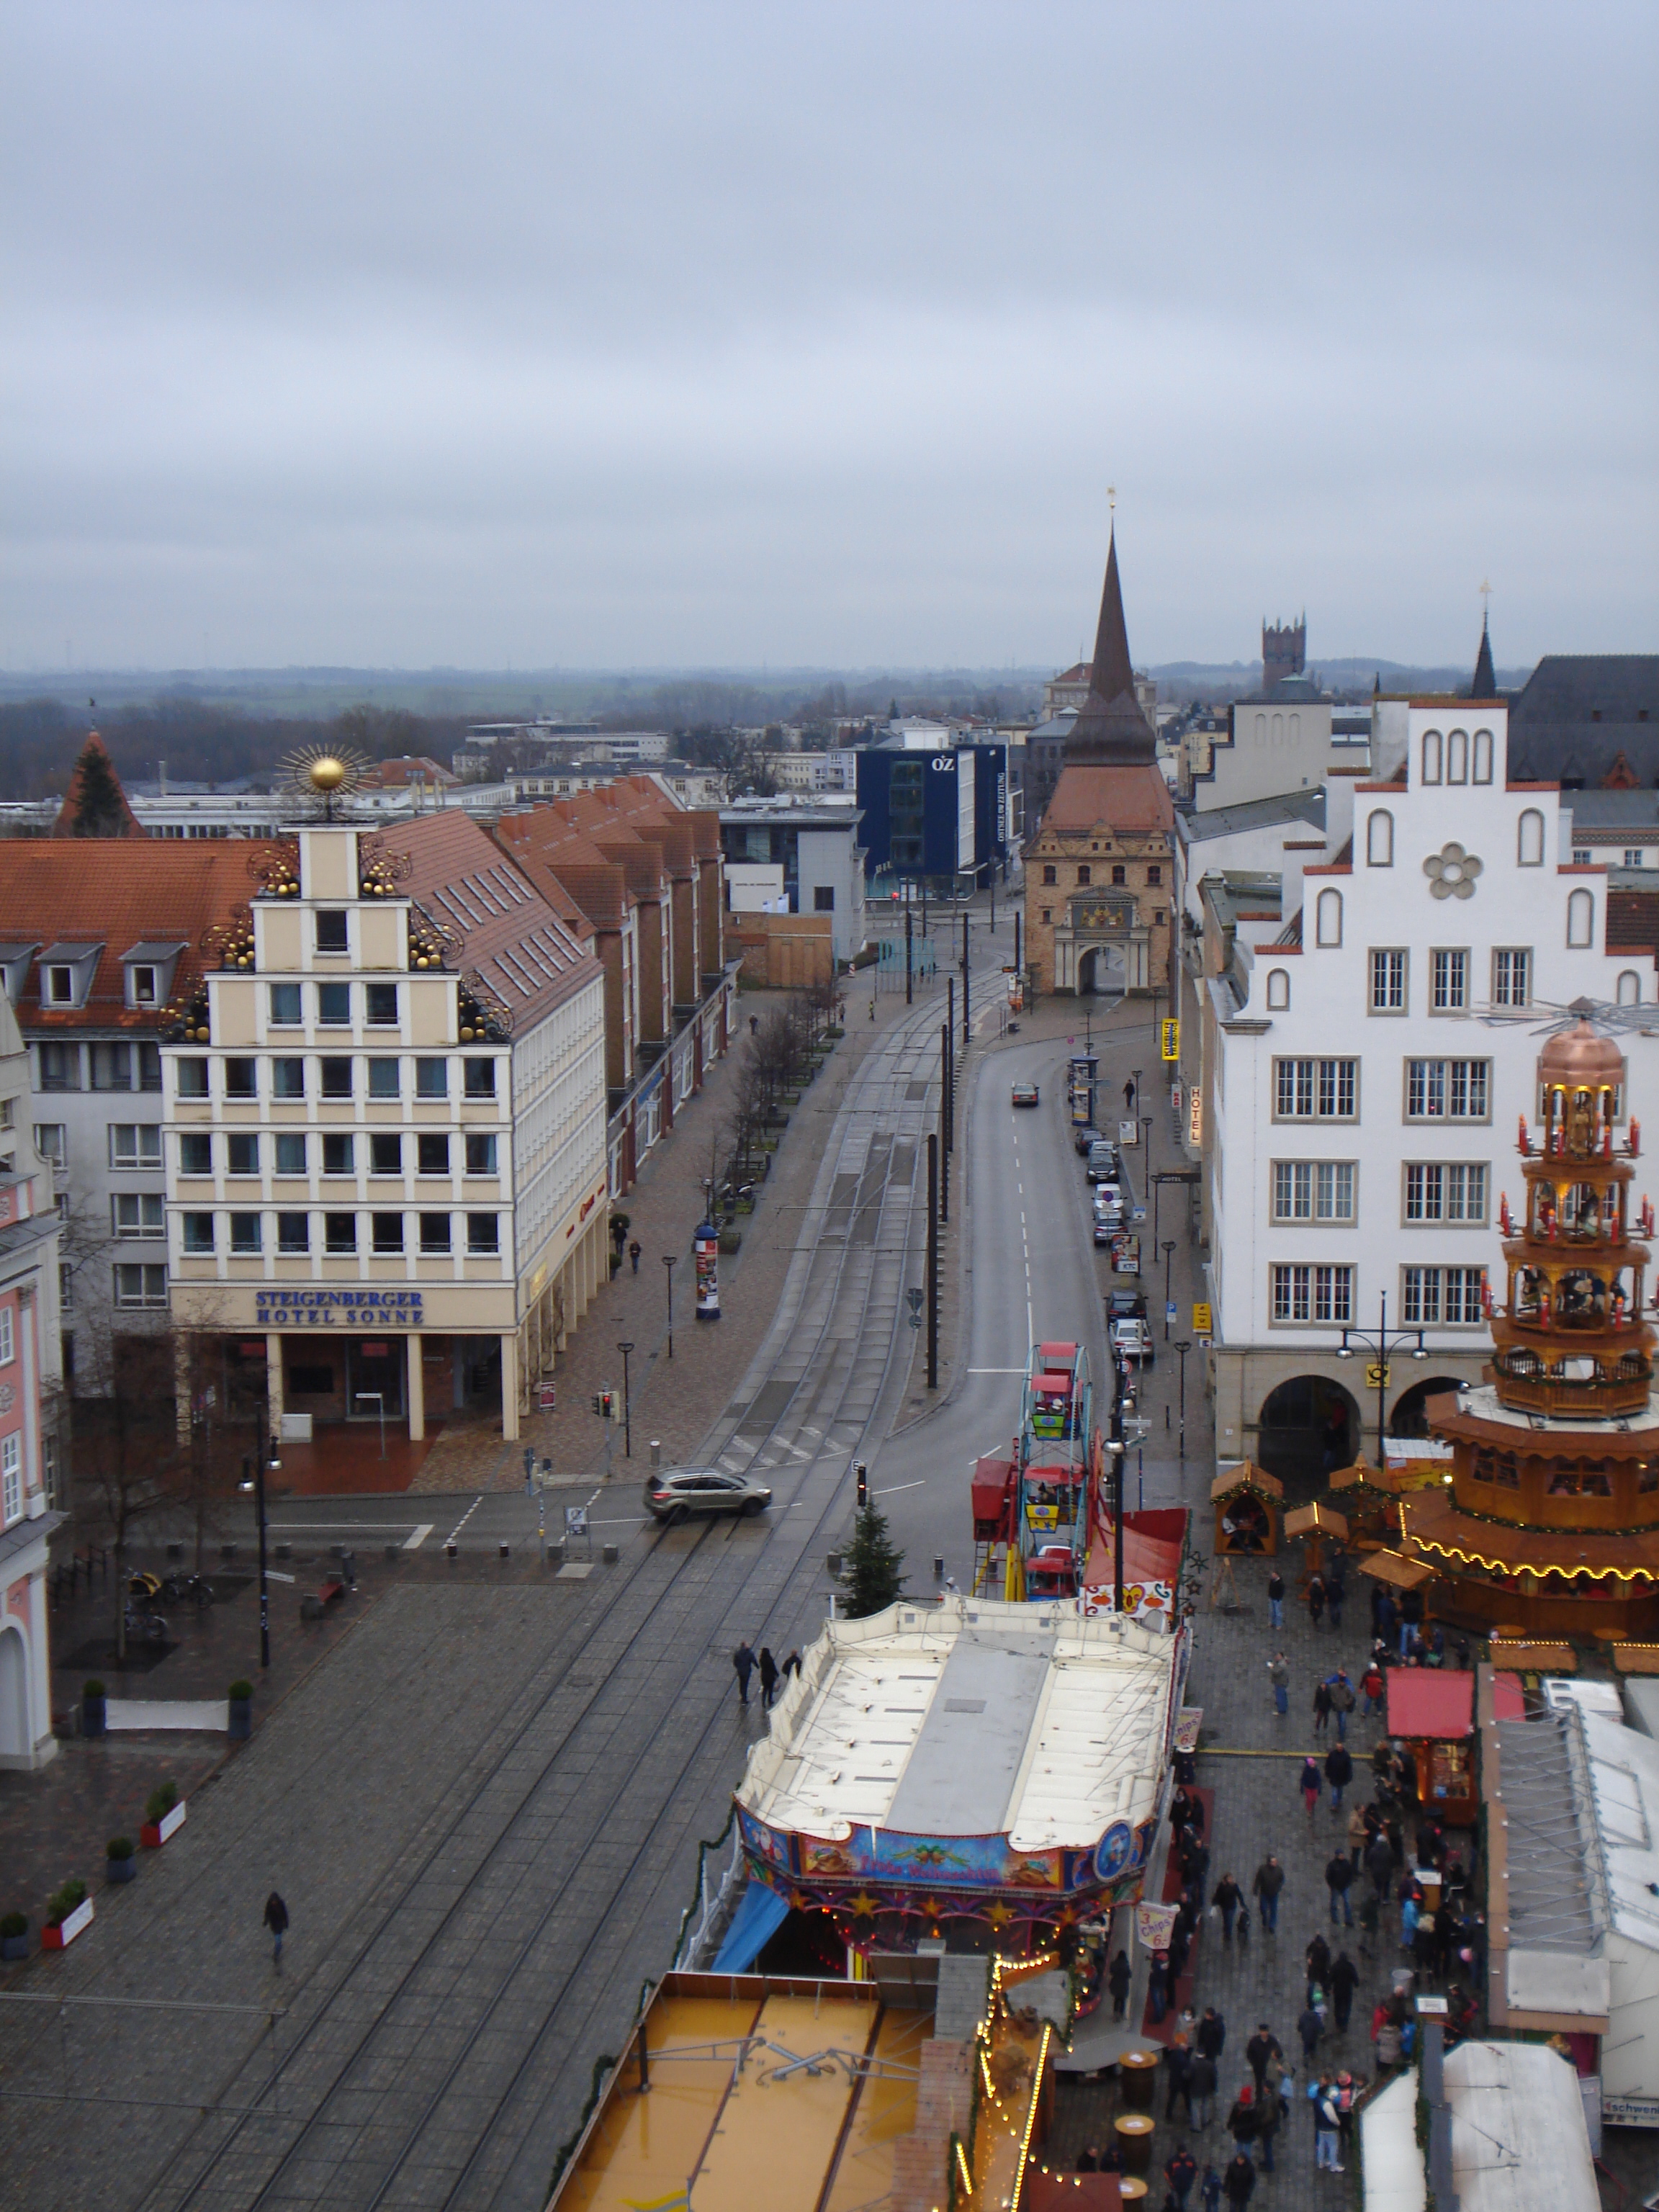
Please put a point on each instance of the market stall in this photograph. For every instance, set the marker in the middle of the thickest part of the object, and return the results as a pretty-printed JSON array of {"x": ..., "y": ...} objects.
[
  {"x": 1432, "y": 1711},
  {"x": 1244, "y": 1497},
  {"x": 1318, "y": 1527},
  {"x": 1366, "y": 1497}
]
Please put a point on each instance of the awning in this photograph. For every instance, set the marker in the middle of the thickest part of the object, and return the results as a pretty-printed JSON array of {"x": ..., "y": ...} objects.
[
  {"x": 759, "y": 1917},
  {"x": 1389, "y": 1567},
  {"x": 1431, "y": 1701},
  {"x": 1150, "y": 1555},
  {"x": 1247, "y": 1475},
  {"x": 1315, "y": 1520}
]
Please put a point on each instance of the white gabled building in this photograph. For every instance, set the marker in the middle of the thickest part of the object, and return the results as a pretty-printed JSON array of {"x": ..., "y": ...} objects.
[{"x": 1358, "y": 1114}]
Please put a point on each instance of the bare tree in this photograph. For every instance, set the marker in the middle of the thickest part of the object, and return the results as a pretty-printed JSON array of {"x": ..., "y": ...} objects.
[{"x": 125, "y": 1446}]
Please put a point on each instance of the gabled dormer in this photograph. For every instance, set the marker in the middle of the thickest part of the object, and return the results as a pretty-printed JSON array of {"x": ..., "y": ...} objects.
[
  {"x": 64, "y": 976},
  {"x": 148, "y": 972},
  {"x": 15, "y": 961}
]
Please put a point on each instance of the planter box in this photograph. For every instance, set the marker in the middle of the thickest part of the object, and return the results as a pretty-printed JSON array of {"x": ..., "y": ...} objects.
[
  {"x": 60, "y": 1938},
  {"x": 242, "y": 1717},
  {"x": 93, "y": 1714},
  {"x": 121, "y": 1869},
  {"x": 13, "y": 1948},
  {"x": 155, "y": 1833}
]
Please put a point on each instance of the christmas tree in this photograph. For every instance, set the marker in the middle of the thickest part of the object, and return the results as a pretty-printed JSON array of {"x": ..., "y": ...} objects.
[
  {"x": 871, "y": 1578},
  {"x": 98, "y": 806}
]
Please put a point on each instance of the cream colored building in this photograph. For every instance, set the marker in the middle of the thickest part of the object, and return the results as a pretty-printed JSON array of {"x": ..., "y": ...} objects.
[{"x": 385, "y": 1123}]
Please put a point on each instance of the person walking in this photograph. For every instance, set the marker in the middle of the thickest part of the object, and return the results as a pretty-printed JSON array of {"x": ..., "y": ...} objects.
[
  {"x": 1336, "y": 1587},
  {"x": 1279, "y": 1673},
  {"x": 1119, "y": 1976},
  {"x": 1339, "y": 1878},
  {"x": 743, "y": 1660},
  {"x": 1209, "y": 2189},
  {"x": 1176, "y": 2065},
  {"x": 1379, "y": 1865},
  {"x": 792, "y": 1664},
  {"x": 1268, "y": 1881},
  {"x": 1242, "y": 2120},
  {"x": 1238, "y": 2183},
  {"x": 1201, "y": 2079},
  {"x": 276, "y": 1921},
  {"x": 1228, "y": 1898},
  {"x": 769, "y": 1675},
  {"x": 1181, "y": 2171},
  {"x": 1268, "y": 2117},
  {"x": 1345, "y": 1980},
  {"x": 1275, "y": 1598},
  {"x": 1316, "y": 1961},
  {"x": 1327, "y": 2127},
  {"x": 1339, "y": 1772},
  {"x": 1309, "y": 2027},
  {"x": 633, "y": 1250},
  {"x": 1211, "y": 2035},
  {"x": 1316, "y": 1597},
  {"x": 1342, "y": 1701},
  {"x": 1128, "y": 1095},
  {"x": 1321, "y": 1707},
  {"x": 1308, "y": 1783},
  {"x": 1371, "y": 1683},
  {"x": 1157, "y": 1986},
  {"x": 1262, "y": 2046}
]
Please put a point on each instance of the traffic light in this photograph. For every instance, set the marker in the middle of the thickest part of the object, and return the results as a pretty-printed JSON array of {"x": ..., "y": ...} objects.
[
  {"x": 863, "y": 1473},
  {"x": 605, "y": 1405}
]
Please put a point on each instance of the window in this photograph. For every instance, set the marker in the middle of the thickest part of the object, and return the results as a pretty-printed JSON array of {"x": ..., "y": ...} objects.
[
  {"x": 290, "y": 1153},
  {"x": 435, "y": 1233},
  {"x": 480, "y": 1079},
  {"x": 139, "y": 1286},
  {"x": 1529, "y": 840},
  {"x": 1448, "y": 1190},
  {"x": 60, "y": 1068},
  {"x": 1629, "y": 995},
  {"x": 1446, "y": 1089},
  {"x": 287, "y": 1078},
  {"x": 1581, "y": 920},
  {"x": 339, "y": 1232},
  {"x": 1450, "y": 989},
  {"x": 239, "y": 1079},
  {"x": 66, "y": 1290},
  {"x": 7, "y": 1338},
  {"x": 1581, "y": 855},
  {"x": 1379, "y": 839},
  {"x": 1120, "y": 876},
  {"x": 1278, "y": 990},
  {"x": 135, "y": 1145},
  {"x": 198, "y": 1232},
  {"x": 244, "y": 1232},
  {"x": 1313, "y": 1294},
  {"x": 431, "y": 1078},
  {"x": 432, "y": 1155},
  {"x": 1049, "y": 875},
  {"x": 1511, "y": 977},
  {"x": 480, "y": 1155},
  {"x": 60, "y": 987},
  {"x": 387, "y": 1232},
  {"x": 1482, "y": 756},
  {"x": 1084, "y": 876},
  {"x": 11, "y": 1475},
  {"x": 383, "y": 1078},
  {"x": 294, "y": 1233},
  {"x": 284, "y": 1005},
  {"x": 337, "y": 1077},
  {"x": 380, "y": 1009},
  {"x": 196, "y": 1153},
  {"x": 52, "y": 1140},
  {"x": 1312, "y": 1190},
  {"x": 331, "y": 931},
  {"x": 1048, "y": 914},
  {"x": 1432, "y": 754},
  {"x": 483, "y": 1235},
  {"x": 337, "y": 1155},
  {"x": 823, "y": 899},
  {"x": 1446, "y": 1297},
  {"x": 1328, "y": 909},
  {"x": 242, "y": 1155},
  {"x": 1457, "y": 756},
  {"x": 1154, "y": 878},
  {"x": 1632, "y": 856},
  {"x": 334, "y": 1006},
  {"x": 385, "y": 1155},
  {"x": 138, "y": 1214},
  {"x": 1388, "y": 981},
  {"x": 112, "y": 1066},
  {"x": 1314, "y": 1089},
  {"x": 149, "y": 1067}
]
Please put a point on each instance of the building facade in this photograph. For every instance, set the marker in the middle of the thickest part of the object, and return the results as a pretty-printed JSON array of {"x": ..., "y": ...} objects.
[
  {"x": 939, "y": 816},
  {"x": 818, "y": 848}
]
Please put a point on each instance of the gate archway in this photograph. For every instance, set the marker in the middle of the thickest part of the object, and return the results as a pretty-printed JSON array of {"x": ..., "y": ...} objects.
[
  {"x": 1410, "y": 1415},
  {"x": 1307, "y": 1428}
]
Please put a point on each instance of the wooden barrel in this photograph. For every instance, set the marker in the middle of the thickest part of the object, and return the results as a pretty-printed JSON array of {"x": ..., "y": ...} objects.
[
  {"x": 1134, "y": 2137},
  {"x": 1131, "y": 2188},
  {"x": 1138, "y": 2076}
]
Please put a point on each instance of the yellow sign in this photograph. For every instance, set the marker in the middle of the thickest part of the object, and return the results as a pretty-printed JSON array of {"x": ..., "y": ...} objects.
[
  {"x": 1377, "y": 1378},
  {"x": 1202, "y": 1325},
  {"x": 1171, "y": 1040}
]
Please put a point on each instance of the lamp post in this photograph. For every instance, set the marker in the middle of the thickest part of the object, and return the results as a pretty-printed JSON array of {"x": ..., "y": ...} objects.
[
  {"x": 1379, "y": 1348},
  {"x": 1183, "y": 1345},
  {"x": 267, "y": 1453},
  {"x": 628, "y": 1417},
  {"x": 671, "y": 1260},
  {"x": 1168, "y": 1247}
]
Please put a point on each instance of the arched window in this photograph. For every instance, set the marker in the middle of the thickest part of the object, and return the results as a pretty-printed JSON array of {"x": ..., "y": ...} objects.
[
  {"x": 1581, "y": 920},
  {"x": 1379, "y": 839},
  {"x": 1482, "y": 756},
  {"x": 1278, "y": 729},
  {"x": 1431, "y": 755},
  {"x": 1328, "y": 928},
  {"x": 1296, "y": 727},
  {"x": 1529, "y": 840},
  {"x": 1278, "y": 990},
  {"x": 1457, "y": 756},
  {"x": 1261, "y": 729},
  {"x": 1630, "y": 988}
]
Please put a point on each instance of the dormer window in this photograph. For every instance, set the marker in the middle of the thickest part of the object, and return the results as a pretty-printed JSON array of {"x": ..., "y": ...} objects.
[
  {"x": 60, "y": 986},
  {"x": 150, "y": 969},
  {"x": 15, "y": 961},
  {"x": 66, "y": 974},
  {"x": 141, "y": 987}
]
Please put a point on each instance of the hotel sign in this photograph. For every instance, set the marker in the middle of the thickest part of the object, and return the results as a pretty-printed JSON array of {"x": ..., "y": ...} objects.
[{"x": 329, "y": 1309}]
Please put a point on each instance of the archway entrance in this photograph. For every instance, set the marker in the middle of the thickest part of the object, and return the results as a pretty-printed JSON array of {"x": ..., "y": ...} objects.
[
  {"x": 1307, "y": 1428},
  {"x": 1410, "y": 1417},
  {"x": 15, "y": 1745},
  {"x": 1102, "y": 972}
]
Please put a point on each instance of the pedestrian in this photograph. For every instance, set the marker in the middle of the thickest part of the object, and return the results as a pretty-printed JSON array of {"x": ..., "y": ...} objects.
[
  {"x": 1089, "y": 2159},
  {"x": 1268, "y": 2119},
  {"x": 1342, "y": 1701},
  {"x": 1262, "y": 2046},
  {"x": 1345, "y": 1980},
  {"x": 1269, "y": 1881},
  {"x": 1181, "y": 2171},
  {"x": 872, "y": 1010},
  {"x": 1177, "y": 2062},
  {"x": 1339, "y": 1878},
  {"x": 1379, "y": 1865},
  {"x": 1210, "y": 2034},
  {"x": 1317, "y": 1963},
  {"x": 1279, "y": 1673},
  {"x": 754, "y": 1024},
  {"x": 1370, "y": 1919},
  {"x": 1201, "y": 2082},
  {"x": 1308, "y": 1783},
  {"x": 1388, "y": 1619},
  {"x": 1362, "y": 1827},
  {"x": 792, "y": 1664},
  {"x": 1275, "y": 1598},
  {"x": 1339, "y": 1772},
  {"x": 1411, "y": 1618},
  {"x": 1182, "y": 1811},
  {"x": 1327, "y": 2127},
  {"x": 1239, "y": 2181},
  {"x": 1129, "y": 1097},
  {"x": 1157, "y": 1986},
  {"x": 1321, "y": 1707},
  {"x": 633, "y": 1250},
  {"x": 1242, "y": 2120},
  {"x": 276, "y": 1921},
  {"x": 1228, "y": 1898},
  {"x": 1409, "y": 1908},
  {"x": 769, "y": 1675},
  {"x": 1209, "y": 2189},
  {"x": 1371, "y": 1684},
  {"x": 743, "y": 1660},
  {"x": 1119, "y": 1976},
  {"x": 1336, "y": 1587},
  {"x": 1309, "y": 2027},
  {"x": 1316, "y": 1597}
]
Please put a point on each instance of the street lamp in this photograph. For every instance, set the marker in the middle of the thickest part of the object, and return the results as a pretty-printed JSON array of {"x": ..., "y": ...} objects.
[
  {"x": 267, "y": 1455},
  {"x": 1183, "y": 1345},
  {"x": 627, "y": 1416},
  {"x": 1169, "y": 1248},
  {"x": 1379, "y": 1348},
  {"x": 671, "y": 1260}
]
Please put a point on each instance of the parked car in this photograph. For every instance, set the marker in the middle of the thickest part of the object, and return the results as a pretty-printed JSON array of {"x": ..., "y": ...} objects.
[
  {"x": 676, "y": 1494},
  {"x": 1102, "y": 1161},
  {"x": 1086, "y": 1136},
  {"x": 1133, "y": 1340},
  {"x": 1126, "y": 1305},
  {"x": 1109, "y": 1223},
  {"x": 1025, "y": 1093}
]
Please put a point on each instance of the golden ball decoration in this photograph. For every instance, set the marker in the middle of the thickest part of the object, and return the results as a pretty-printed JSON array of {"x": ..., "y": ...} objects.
[{"x": 326, "y": 773}]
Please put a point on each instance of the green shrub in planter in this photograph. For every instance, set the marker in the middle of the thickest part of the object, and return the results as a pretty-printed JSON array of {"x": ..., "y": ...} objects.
[
  {"x": 120, "y": 1864},
  {"x": 15, "y": 1924},
  {"x": 161, "y": 1802},
  {"x": 832, "y": 1033},
  {"x": 14, "y": 1937},
  {"x": 731, "y": 1240},
  {"x": 64, "y": 1901},
  {"x": 92, "y": 1687},
  {"x": 240, "y": 1689}
]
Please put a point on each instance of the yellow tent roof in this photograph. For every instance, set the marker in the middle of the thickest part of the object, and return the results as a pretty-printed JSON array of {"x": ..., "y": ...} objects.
[{"x": 1247, "y": 1475}]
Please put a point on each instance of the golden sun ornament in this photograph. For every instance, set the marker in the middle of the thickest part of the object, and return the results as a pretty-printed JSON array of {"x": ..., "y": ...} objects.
[{"x": 324, "y": 774}]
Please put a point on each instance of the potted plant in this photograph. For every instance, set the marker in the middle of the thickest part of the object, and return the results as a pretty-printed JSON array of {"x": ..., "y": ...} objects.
[
  {"x": 14, "y": 1937},
  {"x": 242, "y": 1711},
  {"x": 94, "y": 1710},
  {"x": 68, "y": 1911},
  {"x": 164, "y": 1815},
  {"x": 119, "y": 1864}
]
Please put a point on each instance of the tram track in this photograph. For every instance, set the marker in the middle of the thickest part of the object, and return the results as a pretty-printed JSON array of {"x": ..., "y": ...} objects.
[{"x": 822, "y": 1348}]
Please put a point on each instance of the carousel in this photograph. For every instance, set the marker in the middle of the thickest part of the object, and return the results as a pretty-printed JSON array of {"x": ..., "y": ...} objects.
[{"x": 1547, "y": 1521}]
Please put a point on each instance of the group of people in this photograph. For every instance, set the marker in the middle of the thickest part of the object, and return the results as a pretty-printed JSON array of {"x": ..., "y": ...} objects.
[{"x": 748, "y": 1662}]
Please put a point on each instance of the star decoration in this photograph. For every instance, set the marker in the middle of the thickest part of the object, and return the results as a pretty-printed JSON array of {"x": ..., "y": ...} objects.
[
  {"x": 999, "y": 1914},
  {"x": 864, "y": 1905}
]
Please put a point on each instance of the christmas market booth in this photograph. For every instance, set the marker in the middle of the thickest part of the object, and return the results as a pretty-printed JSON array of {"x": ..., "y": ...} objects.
[
  {"x": 1369, "y": 1501},
  {"x": 1244, "y": 1497},
  {"x": 1431, "y": 1711},
  {"x": 986, "y": 1772}
]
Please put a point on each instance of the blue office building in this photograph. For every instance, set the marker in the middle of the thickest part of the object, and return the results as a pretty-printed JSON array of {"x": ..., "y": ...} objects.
[{"x": 948, "y": 815}]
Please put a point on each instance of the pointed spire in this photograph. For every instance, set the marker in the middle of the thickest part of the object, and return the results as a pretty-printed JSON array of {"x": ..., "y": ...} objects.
[
  {"x": 1485, "y": 684},
  {"x": 1110, "y": 726}
]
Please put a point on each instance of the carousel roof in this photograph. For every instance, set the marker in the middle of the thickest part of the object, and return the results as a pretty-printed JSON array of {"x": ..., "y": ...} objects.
[{"x": 1434, "y": 1523}]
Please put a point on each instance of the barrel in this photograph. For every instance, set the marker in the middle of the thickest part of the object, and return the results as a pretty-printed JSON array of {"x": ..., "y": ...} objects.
[
  {"x": 1134, "y": 2138},
  {"x": 1138, "y": 2077}
]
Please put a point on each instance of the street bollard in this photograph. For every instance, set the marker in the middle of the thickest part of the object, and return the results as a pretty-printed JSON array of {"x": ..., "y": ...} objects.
[
  {"x": 656, "y": 1453},
  {"x": 610, "y": 1554},
  {"x": 450, "y": 1549},
  {"x": 506, "y": 1551}
]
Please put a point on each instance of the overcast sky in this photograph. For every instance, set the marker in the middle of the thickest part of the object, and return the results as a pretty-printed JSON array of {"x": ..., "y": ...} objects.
[{"x": 607, "y": 335}]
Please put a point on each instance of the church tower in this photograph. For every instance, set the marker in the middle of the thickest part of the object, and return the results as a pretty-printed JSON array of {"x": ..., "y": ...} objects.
[{"x": 1284, "y": 651}]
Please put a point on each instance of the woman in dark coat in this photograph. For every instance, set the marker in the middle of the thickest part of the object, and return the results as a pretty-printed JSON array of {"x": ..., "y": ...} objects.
[
  {"x": 769, "y": 1675},
  {"x": 1118, "y": 1980},
  {"x": 1239, "y": 2181}
]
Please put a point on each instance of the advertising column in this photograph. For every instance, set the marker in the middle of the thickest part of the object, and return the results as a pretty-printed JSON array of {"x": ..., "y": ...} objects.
[{"x": 707, "y": 1248}]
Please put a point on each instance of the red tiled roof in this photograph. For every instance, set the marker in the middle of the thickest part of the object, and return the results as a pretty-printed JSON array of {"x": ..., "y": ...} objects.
[
  {"x": 1633, "y": 921},
  {"x": 1130, "y": 797}
]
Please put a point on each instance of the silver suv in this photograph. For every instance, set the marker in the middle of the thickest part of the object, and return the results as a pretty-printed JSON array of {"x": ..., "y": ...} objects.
[{"x": 676, "y": 1493}]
